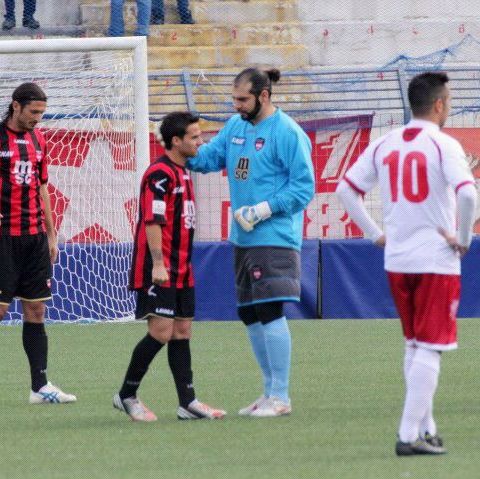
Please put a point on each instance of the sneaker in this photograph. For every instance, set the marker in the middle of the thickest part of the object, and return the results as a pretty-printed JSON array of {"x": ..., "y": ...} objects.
[
  {"x": 199, "y": 410},
  {"x": 30, "y": 22},
  {"x": 272, "y": 407},
  {"x": 246, "y": 411},
  {"x": 433, "y": 440},
  {"x": 134, "y": 408},
  {"x": 50, "y": 394},
  {"x": 420, "y": 446},
  {"x": 8, "y": 24}
]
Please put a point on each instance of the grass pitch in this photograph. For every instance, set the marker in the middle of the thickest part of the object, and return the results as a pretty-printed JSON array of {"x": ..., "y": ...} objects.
[{"x": 347, "y": 395}]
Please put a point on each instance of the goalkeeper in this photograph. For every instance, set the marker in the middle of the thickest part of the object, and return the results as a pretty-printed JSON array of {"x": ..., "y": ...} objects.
[{"x": 268, "y": 161}]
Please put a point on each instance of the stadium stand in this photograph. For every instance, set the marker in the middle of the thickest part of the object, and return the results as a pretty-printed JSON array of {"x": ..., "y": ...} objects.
[{"x": 345, "y": 71}]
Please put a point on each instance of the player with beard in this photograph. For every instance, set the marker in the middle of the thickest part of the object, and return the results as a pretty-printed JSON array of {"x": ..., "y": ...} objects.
[
  {"x": 28, "y": 243},
  {"x": 267, "y": 157}
]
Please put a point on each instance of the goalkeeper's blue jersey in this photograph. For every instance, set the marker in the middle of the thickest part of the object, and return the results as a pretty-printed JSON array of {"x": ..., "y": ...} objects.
[{"x": 270, "y": 161}]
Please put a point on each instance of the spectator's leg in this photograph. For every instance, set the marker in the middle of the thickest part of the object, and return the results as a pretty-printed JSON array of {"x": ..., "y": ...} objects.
[
  {"x": 117, "y": 27},
  {"x": 10, "y": 9},
  {"x": 9, "y": 21},
  {"x": 158, "y": 13},
  {"x": 184, "y": 12},
  {"x": 144, "y": 10},
  {"x": 29, "y": 7}
]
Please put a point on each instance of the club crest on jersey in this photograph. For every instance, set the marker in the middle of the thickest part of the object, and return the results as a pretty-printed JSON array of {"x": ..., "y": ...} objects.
[
  {"x": 238, "y": 140},
  {"x": 259, "y": 143},
  {"x": 256, "y": 272},
  {"x": 241, "y": 171}
]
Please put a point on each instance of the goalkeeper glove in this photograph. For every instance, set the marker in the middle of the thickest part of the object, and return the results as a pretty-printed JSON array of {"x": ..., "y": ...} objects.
[{"x": 249, "y": 216}]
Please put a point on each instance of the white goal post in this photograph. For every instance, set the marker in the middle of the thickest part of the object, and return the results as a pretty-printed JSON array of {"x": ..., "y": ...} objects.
[{"x": 97, "y": 132}]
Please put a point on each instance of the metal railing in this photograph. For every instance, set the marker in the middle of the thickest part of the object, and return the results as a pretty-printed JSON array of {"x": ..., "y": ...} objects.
[{"x": 302, "y": 94}]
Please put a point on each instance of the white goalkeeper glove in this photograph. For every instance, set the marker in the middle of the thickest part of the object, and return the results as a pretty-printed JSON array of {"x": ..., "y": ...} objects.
[{"x": 249, "y": 216}]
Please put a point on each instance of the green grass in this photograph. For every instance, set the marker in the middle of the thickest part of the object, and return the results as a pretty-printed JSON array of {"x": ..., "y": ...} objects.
[{"x": 347, "y": 395}]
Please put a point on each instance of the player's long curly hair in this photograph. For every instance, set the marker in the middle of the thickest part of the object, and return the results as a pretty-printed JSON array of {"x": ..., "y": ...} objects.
[{"x": 24, "y": 94}]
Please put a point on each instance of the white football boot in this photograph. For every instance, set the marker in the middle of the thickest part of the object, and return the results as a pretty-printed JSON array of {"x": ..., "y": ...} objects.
[
  {"x": 50, "y": 394},
  {"x": 247, "y": 411},
  {"x": 272, "y": 407}
]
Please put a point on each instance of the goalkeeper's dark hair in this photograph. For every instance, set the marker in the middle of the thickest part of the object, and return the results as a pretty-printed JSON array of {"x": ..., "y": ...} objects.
[
  {"x": 176, "y": 124},
  {"x": 260, "y": 79},
  {"x": 25, "y": 94},
  {"x": 424, "y": 90}
]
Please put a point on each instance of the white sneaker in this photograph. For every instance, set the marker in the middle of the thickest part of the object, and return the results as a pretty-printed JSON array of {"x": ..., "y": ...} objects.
[
  {"x": 272, "y": 407},
  {"x": 247, "y": 411},
  {"x": 50, "y": 394},
  {"x": 199, "y": 410},
  {"x": 134, "y": 408}
]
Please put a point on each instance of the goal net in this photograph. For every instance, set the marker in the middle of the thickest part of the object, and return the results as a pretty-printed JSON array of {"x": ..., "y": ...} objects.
[{"x": 96, "y": 128}]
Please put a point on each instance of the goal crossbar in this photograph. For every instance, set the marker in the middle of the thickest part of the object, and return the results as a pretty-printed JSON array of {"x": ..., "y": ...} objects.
[{"x": 140, "y": 73}]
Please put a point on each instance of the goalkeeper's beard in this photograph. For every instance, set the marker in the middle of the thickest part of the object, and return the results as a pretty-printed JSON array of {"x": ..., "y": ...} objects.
[{"x": 254, "y": 113}]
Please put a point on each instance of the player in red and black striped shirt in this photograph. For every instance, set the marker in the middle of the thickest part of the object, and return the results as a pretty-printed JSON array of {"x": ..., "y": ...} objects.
[
  {"x": 162, "y": 271},
  {"x": 28, "y": 245}
]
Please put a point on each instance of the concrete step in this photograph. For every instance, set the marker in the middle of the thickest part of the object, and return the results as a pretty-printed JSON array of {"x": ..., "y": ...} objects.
[
  {"x": 22, "y": 33},
  {"x": 356, "y": 43},
  {"x": 285, "y": 56},
  {"x": 386, "y": 10},
  {"x": 221, "y": 11},
  {"x": 237, "y": 12},
  {"x": 217, "y": 35}
]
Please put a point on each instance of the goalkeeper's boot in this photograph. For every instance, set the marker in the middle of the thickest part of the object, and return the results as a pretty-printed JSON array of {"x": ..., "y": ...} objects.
[
  {"x": 199, "y": 410},
  {"x": 420, "y": 446},
  {"x": 50, "y": 394},
  {"x": 134, "y": 408},
  {"x": 247, "y": 411},
  {"x": 273, "y": 407}
]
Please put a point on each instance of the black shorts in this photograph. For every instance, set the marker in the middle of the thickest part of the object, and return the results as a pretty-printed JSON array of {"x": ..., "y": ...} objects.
[
  {"x": 266, "y": 273},
  {"x": 165, "y": 302},
  {"x": 25, "y": 268}
]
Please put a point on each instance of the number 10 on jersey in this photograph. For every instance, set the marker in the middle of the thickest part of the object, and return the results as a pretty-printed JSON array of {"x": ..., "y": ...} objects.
[{"x": 412, "y": 180}]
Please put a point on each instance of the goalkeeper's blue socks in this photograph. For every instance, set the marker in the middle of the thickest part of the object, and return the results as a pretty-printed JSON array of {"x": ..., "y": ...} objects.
[
  {"x": 278, "y": 343},
  {"x": 257, "y": 340}
]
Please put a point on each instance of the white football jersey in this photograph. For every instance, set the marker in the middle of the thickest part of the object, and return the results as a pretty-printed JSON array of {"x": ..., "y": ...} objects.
[{"x": 419, "y": 169}]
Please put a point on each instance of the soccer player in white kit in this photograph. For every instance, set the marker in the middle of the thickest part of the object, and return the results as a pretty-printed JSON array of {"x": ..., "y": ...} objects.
[{"x": 426, "y": 187}]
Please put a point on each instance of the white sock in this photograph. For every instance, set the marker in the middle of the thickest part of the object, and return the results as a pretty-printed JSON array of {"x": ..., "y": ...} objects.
[
  {"x": 428, "y": 424},
  {"x": 407, "y": 359},
  {"x": 422, "y": 383}
]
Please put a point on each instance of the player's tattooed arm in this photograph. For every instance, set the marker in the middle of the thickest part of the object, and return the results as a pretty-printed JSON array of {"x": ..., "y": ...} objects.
[{"x": 154, "y": 238}]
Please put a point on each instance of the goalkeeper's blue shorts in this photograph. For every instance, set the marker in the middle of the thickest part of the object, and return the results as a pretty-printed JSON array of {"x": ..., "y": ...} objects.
[{"x": 266, "y": 273}]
